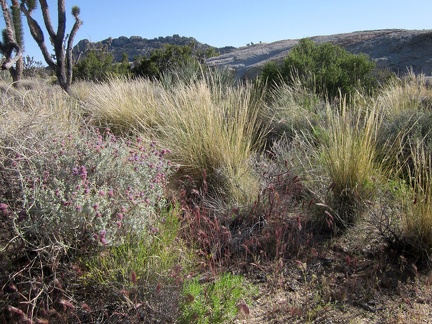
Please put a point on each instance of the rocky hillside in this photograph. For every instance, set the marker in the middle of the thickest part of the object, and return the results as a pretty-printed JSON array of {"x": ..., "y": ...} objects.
[
  {"x": 137, "y": 46},
  {"x": 395, "y": 49}
]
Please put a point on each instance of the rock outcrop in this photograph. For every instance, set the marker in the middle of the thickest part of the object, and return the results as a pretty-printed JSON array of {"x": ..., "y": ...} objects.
[
  {"x": 396, "y": 49},
  {"x": 137, "y": 46}
]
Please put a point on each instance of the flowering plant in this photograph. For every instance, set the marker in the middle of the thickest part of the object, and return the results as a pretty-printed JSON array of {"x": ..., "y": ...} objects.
[{"x": 93, "y": 189}]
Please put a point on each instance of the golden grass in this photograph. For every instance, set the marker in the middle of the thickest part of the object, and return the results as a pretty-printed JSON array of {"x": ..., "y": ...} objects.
[
  {"x": 213, "y": 130},
  {"x": 29, "y": 117},
  {"x": 122, "y": 104},
  {"x": 408, "y": 93},
  {"x": 348, "y": 156},
  {"x": 209, "y": 126},
  {"x": 418, "y": 214}
]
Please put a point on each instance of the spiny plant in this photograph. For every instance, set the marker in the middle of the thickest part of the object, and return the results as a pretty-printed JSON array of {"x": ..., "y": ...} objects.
[{"x": 13, "y": 40}]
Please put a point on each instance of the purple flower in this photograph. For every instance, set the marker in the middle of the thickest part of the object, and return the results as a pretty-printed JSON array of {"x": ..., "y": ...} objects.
[
  {"x": 120, "y": 216},
  {"x": 83, "y": 172},
  {"x": 4, "y": 208}
]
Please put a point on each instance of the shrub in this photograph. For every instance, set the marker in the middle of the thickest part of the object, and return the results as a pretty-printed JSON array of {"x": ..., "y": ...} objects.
[
  {"x": 81, "y": 191},
  {"x": 325, "y": 69},
  {"x": 98, "y": 65},
  {"x": 169, "y": 58}
]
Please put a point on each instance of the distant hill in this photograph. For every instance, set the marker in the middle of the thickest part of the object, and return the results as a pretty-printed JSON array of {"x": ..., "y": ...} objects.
[
  {"x": 395, "y": 49},
  {"x": 137, "y": 46}
]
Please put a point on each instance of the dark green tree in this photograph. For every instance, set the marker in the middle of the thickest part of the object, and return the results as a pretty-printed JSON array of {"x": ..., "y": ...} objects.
[
  {"x": 61, "y": 62},
  {"x": 98, "y": 65},
  {"x": 13, "y": 41},
  {"x": 326, "y": 69},
  {"x": 169, "y": 58}
]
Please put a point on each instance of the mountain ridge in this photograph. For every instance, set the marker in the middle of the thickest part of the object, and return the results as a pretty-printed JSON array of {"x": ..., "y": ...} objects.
[
  {"x": 398, "y": 50},
  {"x": 136, "y": 46}
]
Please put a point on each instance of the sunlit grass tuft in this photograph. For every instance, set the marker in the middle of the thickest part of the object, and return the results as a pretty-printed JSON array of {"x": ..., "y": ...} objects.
[
  {"x": 348, "y": 156},
  {"x": 213, "y": 129},
  {"x": 418, "y": 208},
  {"x": 121, "y": 104}
]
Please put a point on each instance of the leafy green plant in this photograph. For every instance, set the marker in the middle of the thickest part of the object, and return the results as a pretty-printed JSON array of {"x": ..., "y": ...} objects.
[
  {"x": 145, "y": 261},
  {"x": 169, "y": 58},
  {"x": 325, "y": 69},
  {"x": 98, "y": 65},
  {"x": 217, "y": 301}
]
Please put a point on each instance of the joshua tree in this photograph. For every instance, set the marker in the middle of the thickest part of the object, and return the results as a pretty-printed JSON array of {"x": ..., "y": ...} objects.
[
  {"x": 12, "y": 40},
  {"x": 61, "y": 61}
]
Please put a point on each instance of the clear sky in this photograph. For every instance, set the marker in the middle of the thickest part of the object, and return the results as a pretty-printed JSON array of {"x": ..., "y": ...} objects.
[{"x": 236, "y": 22}]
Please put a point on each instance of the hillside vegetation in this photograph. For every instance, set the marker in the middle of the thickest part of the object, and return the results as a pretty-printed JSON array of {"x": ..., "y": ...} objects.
[{"x": 194, "y": 198}]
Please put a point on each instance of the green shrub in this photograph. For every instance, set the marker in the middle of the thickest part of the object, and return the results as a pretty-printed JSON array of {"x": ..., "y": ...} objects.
[
  {"x": 214, "y": 302},
  {"x": 98, "y": 65},
  {"x": 146, "y": 261},
  {"x": 325, "y": 69},
  {"x": 169, "y": 58}
]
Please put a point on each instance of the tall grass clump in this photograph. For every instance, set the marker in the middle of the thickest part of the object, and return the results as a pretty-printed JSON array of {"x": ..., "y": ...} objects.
[
  {"x": 213, "y": 128},
  {"x": 411, "y": 92},
  {"x": 293, "y": 109},
  {"x": 121, "y": 103},
  {"x": 407, "y": 115},
  {"x": 417, "y": 225},
  {"x": 349, "y": 158}
]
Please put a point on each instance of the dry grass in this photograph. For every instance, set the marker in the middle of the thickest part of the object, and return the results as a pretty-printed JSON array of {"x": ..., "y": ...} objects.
[
  {"x": 418, "y": 207},
  {"x": 121, "y": 104},
  {"x": 208, "y": 126},
  {"x": 211, "y": 126},
  {"x": 214, "y": 130},
  {"x": 348, "y": 155},
  {"x": 411, "y": 92}
]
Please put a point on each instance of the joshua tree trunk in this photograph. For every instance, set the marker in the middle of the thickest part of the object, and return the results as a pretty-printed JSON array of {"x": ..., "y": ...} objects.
[
  {"x": 12, "y": 41},
  {"x": 61, "y": 63}
]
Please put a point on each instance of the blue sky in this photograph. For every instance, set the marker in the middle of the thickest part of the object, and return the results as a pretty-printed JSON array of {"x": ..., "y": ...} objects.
[{"x": 237, "y": 22}]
